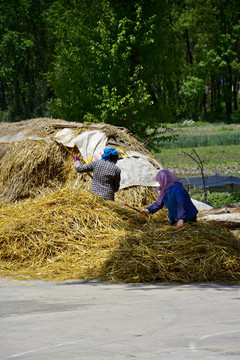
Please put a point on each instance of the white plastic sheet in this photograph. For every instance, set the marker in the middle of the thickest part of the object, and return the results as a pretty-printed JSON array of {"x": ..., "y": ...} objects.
[
  {"x": 90, "y": 143},
  {"x": 136, "y": 169},
  {"x": 201, "y": 206}
]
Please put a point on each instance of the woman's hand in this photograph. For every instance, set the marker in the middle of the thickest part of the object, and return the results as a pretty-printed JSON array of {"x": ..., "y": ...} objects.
[
  {"x": 144, "y": 212},
  {"x": 180, "y": 223},
  {"x": 77, "y": 163}
]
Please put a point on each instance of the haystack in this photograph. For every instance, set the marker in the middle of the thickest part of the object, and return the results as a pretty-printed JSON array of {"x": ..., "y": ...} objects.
[
  {"x": 53, "y": 228},
  {"x": 71, "y": 234},
  {"x": 37, "y": 155}
]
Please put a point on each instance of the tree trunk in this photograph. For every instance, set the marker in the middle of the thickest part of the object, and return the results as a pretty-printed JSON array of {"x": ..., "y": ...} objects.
[
  {"x": 17, "y": 106},
  {"x": 3, "y": 102},
  {"x": 204, "y": 102},
  {"x": 189, "y": 52},
  {"x": 235, "y": 94},
  {"x": 228, "y": 99}
]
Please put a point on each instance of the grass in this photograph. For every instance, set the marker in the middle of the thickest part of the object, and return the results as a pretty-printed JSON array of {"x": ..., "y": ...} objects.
[
  {"x": 185, "y": 141},
  {"x": 222, "y": 160},
  {"x": 214, "y": 146},
  {"x": 200, "y": 135},
  {"x": 218, "y": 146}
]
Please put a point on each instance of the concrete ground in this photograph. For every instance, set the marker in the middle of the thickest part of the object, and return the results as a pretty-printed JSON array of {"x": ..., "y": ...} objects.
[{"x": 93, "y": 320}]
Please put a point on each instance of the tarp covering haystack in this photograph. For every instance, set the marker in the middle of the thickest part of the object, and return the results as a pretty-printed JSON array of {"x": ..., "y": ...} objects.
[
  {"x": 38, "y": 154},
  {"x": 53, "y": 228}
]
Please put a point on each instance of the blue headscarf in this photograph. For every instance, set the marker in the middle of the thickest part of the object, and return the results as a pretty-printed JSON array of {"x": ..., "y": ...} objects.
[{"x": 108, "y": 153}]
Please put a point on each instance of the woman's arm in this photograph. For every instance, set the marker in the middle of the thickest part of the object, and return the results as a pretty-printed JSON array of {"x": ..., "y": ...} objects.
[
  {"x": 83, "y": 168},
  {"x": 117, "y": 181},
  {"x": 154, "y": 207},
  {"x": 151, "y": 209}
]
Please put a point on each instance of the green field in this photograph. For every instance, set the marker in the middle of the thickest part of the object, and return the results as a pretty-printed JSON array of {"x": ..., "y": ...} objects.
[
  {"x": 220, "y": 155},
  {"x": 224, "y": 160},
  {"x": 217, "y": 146}
]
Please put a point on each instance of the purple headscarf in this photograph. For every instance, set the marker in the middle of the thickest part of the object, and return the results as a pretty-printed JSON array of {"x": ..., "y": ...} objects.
[{"x": 165, "y": 178}]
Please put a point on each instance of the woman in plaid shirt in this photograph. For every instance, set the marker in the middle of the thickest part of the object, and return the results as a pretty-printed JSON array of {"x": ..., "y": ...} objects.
[{"x": 106, "y": 175}]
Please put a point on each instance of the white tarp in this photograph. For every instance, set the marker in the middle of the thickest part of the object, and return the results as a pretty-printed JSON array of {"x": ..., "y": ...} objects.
[
  {"x": 136, "y": 171},
  {"x": 135, "y": 167},
  {"x": 90, "y": 143},
  {"x": 201, "y": 206}
]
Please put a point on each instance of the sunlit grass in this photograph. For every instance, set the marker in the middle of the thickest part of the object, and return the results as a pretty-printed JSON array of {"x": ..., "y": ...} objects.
[
  {"x": 220, "y": 138},
  {"x": 216, "y": 159}
]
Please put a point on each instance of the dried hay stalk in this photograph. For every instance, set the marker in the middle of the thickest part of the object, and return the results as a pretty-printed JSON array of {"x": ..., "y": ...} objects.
[
  {"x": 72, "y": 234},
  {"x": 36, "y": 127},
  {"x": 28, "y": 167},
  {"x": 32, "y": 167}
]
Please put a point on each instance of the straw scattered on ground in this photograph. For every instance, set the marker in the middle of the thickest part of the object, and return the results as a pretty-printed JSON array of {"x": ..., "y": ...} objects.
[{"x": 72, "y": 234}]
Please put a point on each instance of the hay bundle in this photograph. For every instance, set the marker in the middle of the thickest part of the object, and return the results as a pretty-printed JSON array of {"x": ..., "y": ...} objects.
[
  {"x": 72, "y": 234},
  {"x": 39, "y": 164},
  {"x": 198, "y": 253},
  {"x": 28, "y": 167},
  {"x": 32, "y": 167}
]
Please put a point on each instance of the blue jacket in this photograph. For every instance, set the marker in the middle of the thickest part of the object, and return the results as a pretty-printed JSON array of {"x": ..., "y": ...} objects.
[{"x": 178, "y": 203}]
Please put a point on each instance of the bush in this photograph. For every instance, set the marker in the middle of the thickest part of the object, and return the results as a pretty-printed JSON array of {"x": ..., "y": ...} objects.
[{"x": 217, "y": 199}]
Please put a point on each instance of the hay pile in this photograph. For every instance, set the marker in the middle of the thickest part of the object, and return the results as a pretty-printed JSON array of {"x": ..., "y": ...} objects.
[
  {"x": 28, "y": 167},
  {"x": 72, "y": 234},
  {"x": 31, "y": 167},
  {"x": 34, "y": 162},
  {"x": 52, "y": 228},
  {"x": 30, "y": 161}
]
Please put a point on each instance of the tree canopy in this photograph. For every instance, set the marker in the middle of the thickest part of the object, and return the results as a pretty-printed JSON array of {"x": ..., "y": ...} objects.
[{"x": 127, "y": 63}]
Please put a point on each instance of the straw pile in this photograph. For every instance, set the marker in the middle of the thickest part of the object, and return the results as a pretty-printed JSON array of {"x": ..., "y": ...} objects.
[
  {"x": 34, "y": 162},
  {"x": 72, "y": 234},
  {"x": 52, "y": 228},
  {"x": 28, "y": 167},
  {"x": 31, "y": 167}
]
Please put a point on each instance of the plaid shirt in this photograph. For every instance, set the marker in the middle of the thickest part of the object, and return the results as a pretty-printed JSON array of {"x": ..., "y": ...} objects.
[{"x": 106, "y": 177}]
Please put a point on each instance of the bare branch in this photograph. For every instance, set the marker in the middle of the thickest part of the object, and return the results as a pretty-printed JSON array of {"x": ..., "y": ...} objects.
[{"x": 200, "y": 164}]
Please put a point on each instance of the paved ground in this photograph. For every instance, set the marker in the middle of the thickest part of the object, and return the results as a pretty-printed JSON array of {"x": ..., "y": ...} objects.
[{"x": 77, "y": 320}]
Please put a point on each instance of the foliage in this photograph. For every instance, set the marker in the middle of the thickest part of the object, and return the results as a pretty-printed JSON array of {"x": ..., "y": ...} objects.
[
  {"x": 130, "y": 63},
  {"x": 101, "y": 83},
  {"x": 218, "y": 199},
  {"x": 24, "y": 55}
]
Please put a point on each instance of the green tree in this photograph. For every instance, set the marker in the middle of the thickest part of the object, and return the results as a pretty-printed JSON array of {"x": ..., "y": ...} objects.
[
  {"x": 213, "y": 32},
  {"x": 129, "y": 63},
  {"x": 23, "y": 57},
  {"x": 96, "y": 74}
]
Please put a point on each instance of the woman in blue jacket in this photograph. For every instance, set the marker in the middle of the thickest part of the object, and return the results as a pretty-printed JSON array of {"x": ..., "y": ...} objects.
[{"x": 175, "y": 197}]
